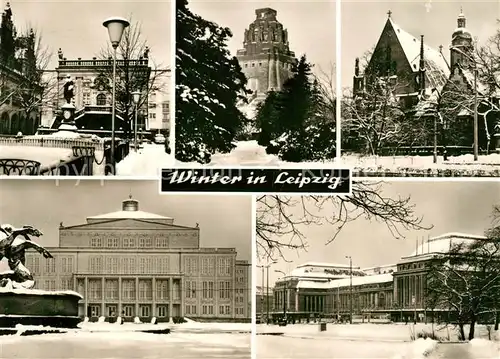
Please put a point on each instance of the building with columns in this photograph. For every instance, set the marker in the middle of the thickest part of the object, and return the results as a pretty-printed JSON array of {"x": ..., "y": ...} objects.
[
  {"x": 266, "y": 58},
  {"x": 134, "y": 263},
  {"x": 395, "y": 292}
]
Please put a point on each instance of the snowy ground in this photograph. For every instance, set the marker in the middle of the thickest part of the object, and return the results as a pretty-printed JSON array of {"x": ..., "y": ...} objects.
[
  {"x": 389, "y": 341},
  {"x": 460, "y": 165},
  {"x": 80, "y": 345},
  {"x": 105, "y": 340},
  {"x": 148, "y": 161},
  {"x": 250, "y": 153}
]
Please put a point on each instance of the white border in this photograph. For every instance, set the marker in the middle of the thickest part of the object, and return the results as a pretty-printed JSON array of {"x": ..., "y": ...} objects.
[
  {"x": 253, "y": 282},
  {"x": 338, "y": 81},
  {"x": 173, "y": 34}
]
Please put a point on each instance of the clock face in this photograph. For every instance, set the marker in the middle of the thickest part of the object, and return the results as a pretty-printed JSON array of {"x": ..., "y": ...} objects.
[{"x": 67, "y": 114}]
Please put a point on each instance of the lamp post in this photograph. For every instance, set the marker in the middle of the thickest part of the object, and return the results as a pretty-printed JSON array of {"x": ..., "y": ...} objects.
[
  {"x": 115, "y": 26},
  {"x": 473, "y": 61},
  {"x": 350, "y": 288},
  {"x": 267, "y": 286},
  {"x": 136, "y": 96},
  {"x": 285, "y": 292}
]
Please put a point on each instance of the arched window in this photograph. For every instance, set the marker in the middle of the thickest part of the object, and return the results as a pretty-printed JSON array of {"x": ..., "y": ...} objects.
[{"x": 101, "y": 99}]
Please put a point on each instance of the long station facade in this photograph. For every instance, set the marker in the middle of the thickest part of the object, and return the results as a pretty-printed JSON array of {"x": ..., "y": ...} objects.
[
  {"x": 392, "y": 292},
  {"x": 132, "y": 263}
]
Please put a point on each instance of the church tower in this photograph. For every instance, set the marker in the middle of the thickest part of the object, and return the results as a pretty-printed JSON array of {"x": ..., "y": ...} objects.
[
  {"x": 266, "y": 59},
  {"x": 7, "y": 37},
  {"x": 461, "y": 44}
]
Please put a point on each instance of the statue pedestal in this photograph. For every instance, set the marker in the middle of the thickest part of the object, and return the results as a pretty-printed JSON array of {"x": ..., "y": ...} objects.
[
  {"x": 68, "y": 122},
  {"x": 39, "y": 307}
]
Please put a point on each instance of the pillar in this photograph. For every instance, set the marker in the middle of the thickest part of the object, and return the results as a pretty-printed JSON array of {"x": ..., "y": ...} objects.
[
  {"x": 136, "y": 296},
  {"x": 297, "y": 300},
  {"x": 153, "y": 296},
  {"x": 170, "y": 297},
  {"x": 119, "y": 297},
  {"x": 86, "y": 295},
  {"x": 103, "y": 288}
]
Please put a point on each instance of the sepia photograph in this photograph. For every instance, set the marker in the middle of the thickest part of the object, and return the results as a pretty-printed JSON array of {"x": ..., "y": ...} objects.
[
  {"x": 255, "y": 82},
  {"x": 126, "y": 272},
  {"x": 400, "y": 270},
  {"x": 421, "y": 88},
  {"x": 84, "y": 87}
]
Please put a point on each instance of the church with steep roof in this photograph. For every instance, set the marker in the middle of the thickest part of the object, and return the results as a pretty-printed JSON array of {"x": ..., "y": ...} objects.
[{"x": 421, "y": 77}]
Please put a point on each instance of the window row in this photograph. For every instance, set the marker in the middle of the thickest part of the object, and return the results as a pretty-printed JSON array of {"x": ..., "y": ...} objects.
[
  {"x": 36, "y": 264},
  {"x": 224, "y": 266},
  {"x": 129, "y": 265},
  {"x": 141, "y": 242},
  {"x": 128, "y": 311}
]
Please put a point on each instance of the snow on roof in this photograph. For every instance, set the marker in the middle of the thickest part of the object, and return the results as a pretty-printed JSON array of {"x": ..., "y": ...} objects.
[
  {"x": 356, "y": 281},
  {"x": 308, "y": 284},
  {"x": 323, "y": 264},
  {"x": 443, "y": 243},
  {"x": 129, "y": 215},
  {"x": 437, "y": 68}
]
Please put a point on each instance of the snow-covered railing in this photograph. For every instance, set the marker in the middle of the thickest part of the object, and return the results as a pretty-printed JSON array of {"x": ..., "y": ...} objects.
[{"x": 54, "y": 142}]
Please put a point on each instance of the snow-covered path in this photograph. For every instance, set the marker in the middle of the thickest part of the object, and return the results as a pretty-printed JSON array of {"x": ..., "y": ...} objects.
[
  {"x": 148, "y": 161},
  {"x": 452, "y": 351}
]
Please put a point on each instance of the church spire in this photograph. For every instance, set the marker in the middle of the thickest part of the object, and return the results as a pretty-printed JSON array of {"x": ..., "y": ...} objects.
[{"x": 461, "y": 20}]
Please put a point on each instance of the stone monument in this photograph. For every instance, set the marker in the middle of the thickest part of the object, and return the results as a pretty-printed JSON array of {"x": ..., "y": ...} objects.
[
  {"x": 68, "y": 109},
  {"x": 19, "y": 302}
]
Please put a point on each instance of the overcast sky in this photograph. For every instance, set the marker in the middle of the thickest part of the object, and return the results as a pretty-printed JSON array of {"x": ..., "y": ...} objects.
[
  {"x": 225, "y": 221},
  {"x": 363, "y": 22},
  {"x": 463, "y": 207},
  {"x": 76, "y": 27},
  {"x": 310, "y": 24}
]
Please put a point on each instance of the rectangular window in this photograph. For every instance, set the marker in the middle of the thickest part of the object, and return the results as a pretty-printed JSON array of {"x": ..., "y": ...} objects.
[
  {"x": 111, "y": 287},
  {"x": 95, "y": 288},
  {"x": 188, "y": 309},
  {"x": 193, "y": 309},
  {"x": 210, "y": 290},
  {"x": 162, "y": 290},
  {"x": 128, "y": 289},
  {"x": 205, "y": 290},
  {"x": 128, "y": 311},
  {"x": 95, "y": 310},
  {"x": 228, "y": 310},
  {"x": 210, "y": 310},
  {"x": 145, "y": 310},
  {"x": 162, "y": 311},
  {"x": 188, "y": 289},
  {"x": 145, "y": 290},
  {"x": 221, "y": 310}
]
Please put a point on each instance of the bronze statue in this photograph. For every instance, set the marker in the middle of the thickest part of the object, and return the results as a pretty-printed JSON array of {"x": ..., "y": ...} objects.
[
  {"x": 69, "y": 89},
  {"x": 14, "y": 249}
]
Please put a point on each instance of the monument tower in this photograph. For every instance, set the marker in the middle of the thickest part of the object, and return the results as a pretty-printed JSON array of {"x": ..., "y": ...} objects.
[{"x": 266, "y": 59}]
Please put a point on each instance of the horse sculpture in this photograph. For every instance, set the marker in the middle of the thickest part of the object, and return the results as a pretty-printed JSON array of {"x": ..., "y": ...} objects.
[{"x": 13, "y": 247}]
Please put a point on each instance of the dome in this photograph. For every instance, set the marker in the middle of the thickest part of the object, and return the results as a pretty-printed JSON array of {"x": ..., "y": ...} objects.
[{"x": 463, "y": 32}]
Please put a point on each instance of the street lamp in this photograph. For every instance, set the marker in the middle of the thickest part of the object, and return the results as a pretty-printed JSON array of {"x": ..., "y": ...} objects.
[
  {"x": 115, "y": 26},
  {"x": 285, "y": 290},
  {"x": 350, "y": 288},
  {"x": 266, "y": 267},
  {"x": 136, "y": 96},
  {"x": 476, "y": 135}
]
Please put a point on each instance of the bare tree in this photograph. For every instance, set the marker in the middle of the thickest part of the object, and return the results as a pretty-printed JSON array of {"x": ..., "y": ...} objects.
[
  {"x": 327, "y": 88},
  {"x": 136, "y": 71},
  {"x": 280, "y": 220},
  {"x": 458, "y": 99},
  {"x": 466, "y": 282}
]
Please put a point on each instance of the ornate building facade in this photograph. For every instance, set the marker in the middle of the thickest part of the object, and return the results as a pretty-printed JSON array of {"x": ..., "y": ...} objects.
[
  {"x": 20, "y": 88},
  {"x": 266, "y": 59},
  {"x": 138, "y": 264},
  {"x": 396, "y": 292}
]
